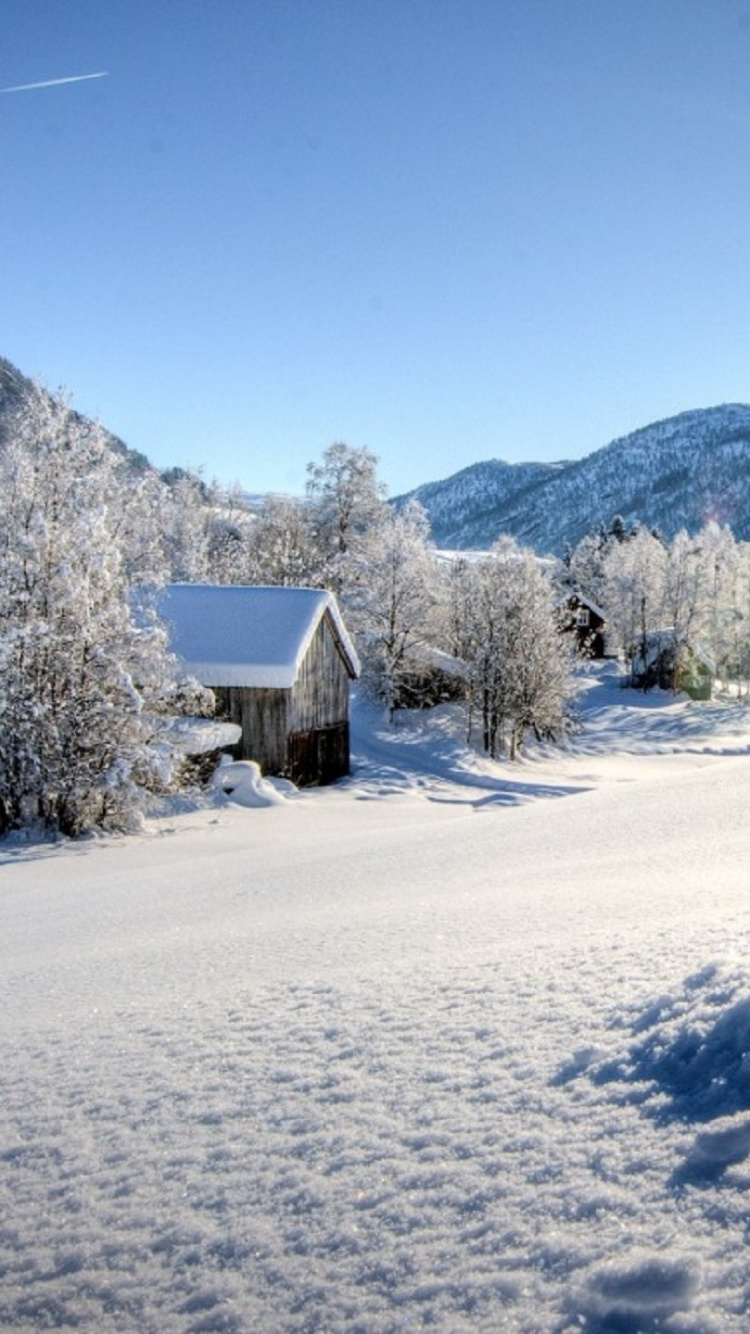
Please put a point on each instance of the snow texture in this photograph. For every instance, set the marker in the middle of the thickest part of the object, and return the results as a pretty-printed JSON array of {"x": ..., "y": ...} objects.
[
  {"x": 450, "y": 1045},
  {"x": 236, "y": 635}
]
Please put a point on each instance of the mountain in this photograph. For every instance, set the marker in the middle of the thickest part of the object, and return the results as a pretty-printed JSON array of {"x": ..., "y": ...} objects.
[
  {"x": 674, "y": 474},
  {"x": 16, "y": 388},
  {"x": 465, "y": 509}
]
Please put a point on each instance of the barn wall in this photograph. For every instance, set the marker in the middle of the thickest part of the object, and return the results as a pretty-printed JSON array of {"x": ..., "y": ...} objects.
[
  {"x": 263, "y": 716},
  {"x": 319, "y": 716},
  {"x": 320, "y": 695}
]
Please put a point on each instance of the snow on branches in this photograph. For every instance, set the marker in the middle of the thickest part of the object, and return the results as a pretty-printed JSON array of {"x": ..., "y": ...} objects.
[{"x": 77, "y": 670}]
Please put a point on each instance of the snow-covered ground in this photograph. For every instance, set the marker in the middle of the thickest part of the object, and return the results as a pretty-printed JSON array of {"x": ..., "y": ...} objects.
[{"x": 453, "y": 1045}]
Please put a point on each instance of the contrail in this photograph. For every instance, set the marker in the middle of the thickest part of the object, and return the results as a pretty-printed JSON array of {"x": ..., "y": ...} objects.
[{"x": 52, "y": 83}]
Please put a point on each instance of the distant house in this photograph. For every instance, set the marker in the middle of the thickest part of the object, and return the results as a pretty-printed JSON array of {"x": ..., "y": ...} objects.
[
  {"x": 586, "y": 622},
  {"x": 662, "y": 661},
  {"x": 280, "y": 663}
]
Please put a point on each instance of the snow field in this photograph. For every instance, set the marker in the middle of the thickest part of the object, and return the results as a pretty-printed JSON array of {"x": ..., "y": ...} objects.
[{"x": 472, "y": 1056}]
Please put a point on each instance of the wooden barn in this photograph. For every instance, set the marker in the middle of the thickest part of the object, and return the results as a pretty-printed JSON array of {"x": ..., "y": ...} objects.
[{"x": 280, "y": 663}]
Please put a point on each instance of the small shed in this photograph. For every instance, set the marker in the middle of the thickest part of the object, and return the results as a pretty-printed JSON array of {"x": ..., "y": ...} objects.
[{"x": 280, "y": 663}]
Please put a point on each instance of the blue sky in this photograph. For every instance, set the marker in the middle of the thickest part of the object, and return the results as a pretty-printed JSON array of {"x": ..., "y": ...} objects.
[{"x": 448, "y": 230}]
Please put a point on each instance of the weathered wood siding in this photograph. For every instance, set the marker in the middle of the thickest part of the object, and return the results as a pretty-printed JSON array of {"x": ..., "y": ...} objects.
[
  {"x": 302, "y": 733},
  {"x": 320, "y": 755},
  {"x": 320, "y": 695},
  {"x": 318, "y": 750},
  {"x": 263, "y": 716}
]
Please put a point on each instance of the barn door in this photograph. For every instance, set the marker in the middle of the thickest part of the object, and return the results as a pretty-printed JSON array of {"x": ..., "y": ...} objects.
[{"x": 319, "y": 756}]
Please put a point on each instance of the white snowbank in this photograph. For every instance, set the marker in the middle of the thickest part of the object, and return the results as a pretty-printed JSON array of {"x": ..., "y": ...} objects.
[
  {"x": 470, "y": 1057},
  {"x": 199, "y": 736}
]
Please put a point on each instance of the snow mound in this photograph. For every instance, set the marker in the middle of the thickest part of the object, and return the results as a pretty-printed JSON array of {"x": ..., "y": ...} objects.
[
  {"x": 728, "y": 1142},
  {"x": 646, "y": 1284},
  {"x": 243, "y": 783},
  {"x": 693, "y": 1052},
  {"x": 199, "y": 736}
]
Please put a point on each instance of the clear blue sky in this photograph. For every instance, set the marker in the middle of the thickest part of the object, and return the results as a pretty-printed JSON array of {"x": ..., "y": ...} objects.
[{"x": 448, "y": 230}]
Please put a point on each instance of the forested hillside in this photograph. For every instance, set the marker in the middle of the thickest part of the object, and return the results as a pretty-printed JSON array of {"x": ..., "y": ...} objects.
[
  {"x": 88, "y": 687},
  {"x": 678, "y": 473},
  {"x": 16, "y": 390}
]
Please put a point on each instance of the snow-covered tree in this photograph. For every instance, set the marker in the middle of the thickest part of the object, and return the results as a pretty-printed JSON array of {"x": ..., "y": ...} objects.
[
  {"x": 506, "y": 628},
  {"x": 77, "y": 671},
  {"x": 141, "y": 525},
  {"x": 688, "y": 588},
  {"x": 345, "y": 500},
  {"x": 228, "y": 524},
  {"x": 282, "y": 550},
  {"x": 185, "y": 527},
  {"x": 391, "y": 602},
  {"x": 633, "y": 590},
  {"x": 585, "y": 566},
  {"x": 696, "y": 589},
  {"x": 725, "y": 623}
]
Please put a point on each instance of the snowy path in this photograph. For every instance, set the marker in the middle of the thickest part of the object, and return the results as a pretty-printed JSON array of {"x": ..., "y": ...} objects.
[{"x": 420, "y": 1062}]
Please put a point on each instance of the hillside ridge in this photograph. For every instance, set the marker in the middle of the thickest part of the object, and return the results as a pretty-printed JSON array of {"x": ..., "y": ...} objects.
[{"x": 676, "y": 473}]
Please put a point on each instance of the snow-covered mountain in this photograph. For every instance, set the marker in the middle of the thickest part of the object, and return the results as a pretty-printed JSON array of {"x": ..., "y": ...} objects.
[
  {"x": 465, "y": 509},
  {"x": 673, "y": 474}
]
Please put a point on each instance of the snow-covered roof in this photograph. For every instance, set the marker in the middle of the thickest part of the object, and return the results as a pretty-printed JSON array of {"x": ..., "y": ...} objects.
[
  {"x": 585, "y": 601},
  {"x": 248, "y": 636}
]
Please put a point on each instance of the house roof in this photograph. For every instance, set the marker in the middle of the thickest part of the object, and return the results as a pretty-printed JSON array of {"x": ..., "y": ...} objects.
[
  {"x": 577, "y": 596},
  {"x": 248, "y": 636}
]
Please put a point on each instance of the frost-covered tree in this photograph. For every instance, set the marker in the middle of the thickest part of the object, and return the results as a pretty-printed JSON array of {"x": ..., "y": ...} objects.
[
  {"x": 695, "y": 588},
  {"x": 479, "y": 608},
  {"x": 141, "y": 526},
  {"x": 585, "y": 566},
  {"x": 282, "y": 549},
  {"x": 228, "y": 523},
  {"x": 77, "y": 672},
  {"x": 391, "y": 603},
  {"x": 725, "y": 627},
  {"x": 185, "y": 526},
  {"x": 687, "y": 592},
  {"x": 506, "y": 628},
  {"x": 345, "y": 500},
  {"x": 633, "y": 590},
  {"x": 731, "y": 640}
]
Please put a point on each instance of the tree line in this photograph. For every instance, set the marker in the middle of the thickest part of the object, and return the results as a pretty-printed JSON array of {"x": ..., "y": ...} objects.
[
  {"x": 694, "y": 588},
  {"x": 87, "y": 683}
]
